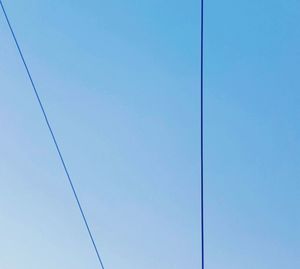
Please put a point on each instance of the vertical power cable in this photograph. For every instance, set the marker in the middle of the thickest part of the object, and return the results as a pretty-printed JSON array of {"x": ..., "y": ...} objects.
[
  {"x": 53, "y": 136},
  {"x": 202, "y": 133}
]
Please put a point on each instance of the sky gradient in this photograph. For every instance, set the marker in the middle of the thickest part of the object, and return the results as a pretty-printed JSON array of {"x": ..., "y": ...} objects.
[{"x": 120, "y": 81}]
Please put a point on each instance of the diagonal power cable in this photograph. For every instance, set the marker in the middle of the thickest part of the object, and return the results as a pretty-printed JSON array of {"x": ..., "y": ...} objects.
[{"x": 52, "y": 135}]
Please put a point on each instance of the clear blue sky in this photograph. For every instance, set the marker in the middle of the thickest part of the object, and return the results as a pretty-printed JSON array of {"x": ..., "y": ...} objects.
[{"x": 120, "y": 82}]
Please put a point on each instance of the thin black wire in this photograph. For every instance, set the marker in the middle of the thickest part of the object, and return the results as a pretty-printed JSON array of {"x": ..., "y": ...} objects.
[
  {"x": 52, "y": 135},
  {"x": 202, "y": 133}
]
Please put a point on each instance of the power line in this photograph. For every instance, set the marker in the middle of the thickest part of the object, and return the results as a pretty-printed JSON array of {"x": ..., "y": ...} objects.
[
  {"x": 202, "y": 136},
  {"x": 52, "y": 135}
]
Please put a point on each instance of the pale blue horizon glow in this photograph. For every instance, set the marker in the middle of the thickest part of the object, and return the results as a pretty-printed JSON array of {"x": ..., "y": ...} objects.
[{"x": 120, "y": 82}]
